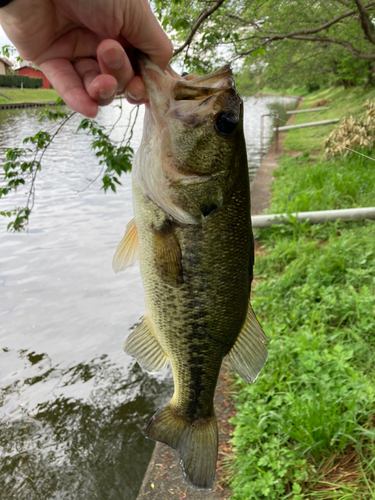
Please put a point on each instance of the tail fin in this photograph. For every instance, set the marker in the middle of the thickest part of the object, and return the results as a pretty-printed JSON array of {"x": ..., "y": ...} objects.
[{"x": 196, "y": 443}]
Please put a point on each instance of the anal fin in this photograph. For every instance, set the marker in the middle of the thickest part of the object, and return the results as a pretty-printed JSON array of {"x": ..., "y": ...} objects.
[
  {"x": 127, "y": 251},
  {"x": 145, "y": 348},
  {"x": 249, "y": 354}
]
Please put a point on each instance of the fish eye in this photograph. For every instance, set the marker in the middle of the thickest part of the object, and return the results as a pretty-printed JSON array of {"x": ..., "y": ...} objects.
[{"x": 226, "y": 123}]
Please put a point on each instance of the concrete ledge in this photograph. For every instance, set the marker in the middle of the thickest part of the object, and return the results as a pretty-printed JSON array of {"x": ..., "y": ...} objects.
[{"x": 15, "y": 105}]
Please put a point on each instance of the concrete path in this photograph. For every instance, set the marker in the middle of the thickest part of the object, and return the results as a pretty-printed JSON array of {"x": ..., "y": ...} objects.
[{"x": 164, "y": 480}]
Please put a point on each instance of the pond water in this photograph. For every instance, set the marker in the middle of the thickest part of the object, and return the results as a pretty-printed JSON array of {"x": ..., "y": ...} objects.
[{"x": 73, "y": 405}]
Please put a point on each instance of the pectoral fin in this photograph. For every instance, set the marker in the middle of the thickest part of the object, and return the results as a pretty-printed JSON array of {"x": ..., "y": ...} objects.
[
  {"x": 249, "y": 354},
  {"x": 127, "y": 251},
  {"x": 145, "y": 348},
  {"x": 167, "y": 254}
]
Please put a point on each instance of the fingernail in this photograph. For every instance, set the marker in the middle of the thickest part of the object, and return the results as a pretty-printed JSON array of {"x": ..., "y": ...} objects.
[
  {"x": 134, "y": 97},
  {"x": 106, "y": 94},
  {"x": 112, "y": 58}
]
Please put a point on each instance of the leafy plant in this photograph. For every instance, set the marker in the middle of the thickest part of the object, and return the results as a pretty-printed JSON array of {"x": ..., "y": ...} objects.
[
  {"x": 116, "y": 160},
  {"x": 23, "y": 164},
  {"x": 9, "y": 51}
]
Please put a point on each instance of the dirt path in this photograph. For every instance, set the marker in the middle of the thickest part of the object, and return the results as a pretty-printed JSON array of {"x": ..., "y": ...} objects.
[{"x": 163, "y": 479}]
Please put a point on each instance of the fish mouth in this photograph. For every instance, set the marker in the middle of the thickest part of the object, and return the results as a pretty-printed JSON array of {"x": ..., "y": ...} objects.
[
  {"x": 179, "y": 165},
  {"x": 165, "y": 89},
  {"x": 192, "y": 99}
]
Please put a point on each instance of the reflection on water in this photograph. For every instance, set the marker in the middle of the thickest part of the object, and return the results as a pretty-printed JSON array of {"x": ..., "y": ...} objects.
[
  {"x": 78, "y": 447},
  {"x": 254, "y": 108},
  {"x": 73, "y": 406}
]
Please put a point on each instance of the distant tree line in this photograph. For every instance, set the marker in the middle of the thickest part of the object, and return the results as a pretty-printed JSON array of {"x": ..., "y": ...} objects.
[
  {"x": 20, "y": 81},
  {"x": 276, "y": 43}
]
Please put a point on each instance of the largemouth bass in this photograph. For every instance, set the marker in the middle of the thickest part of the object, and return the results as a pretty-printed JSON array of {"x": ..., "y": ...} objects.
[{"x": 192, "y": 234}]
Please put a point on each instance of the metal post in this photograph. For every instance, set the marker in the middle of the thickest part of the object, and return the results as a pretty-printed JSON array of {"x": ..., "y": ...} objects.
[
  {"x": 277, "y": 134},
  {"x": 261, "y": 136},
  {"x": 309, "y": 124},
  {"x": 261, "y": 130},
  {"x": 319, "y": 217}
]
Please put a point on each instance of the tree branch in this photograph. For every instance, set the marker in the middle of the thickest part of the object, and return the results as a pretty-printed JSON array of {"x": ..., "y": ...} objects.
[
  {"x": 303, "y": 35},
  {"x": 244, "y": 21},
  {"x": 366, "y": 23},
  {"x": 345, "y": 4},
  {"x": 326, "y": 39},
  {"x": 311, "y": 31},
  {"x": 202, "y": 17},
  {"x": 348, "y": 45},
  {"x": 322, "y": 26}
]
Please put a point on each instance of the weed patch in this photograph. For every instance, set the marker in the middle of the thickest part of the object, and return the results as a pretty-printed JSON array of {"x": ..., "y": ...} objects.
[
  {"x": 305, "y": 429},
  {"x": 323, "y": 185}
]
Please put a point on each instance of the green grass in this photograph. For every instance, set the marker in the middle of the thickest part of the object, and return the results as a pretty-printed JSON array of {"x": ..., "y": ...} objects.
[
  {"x": 315, "y": 296},
  {"x": 304, "y": 183},
  {"x": 344, "y": 103},
  {"x": 27, "y": 95}
]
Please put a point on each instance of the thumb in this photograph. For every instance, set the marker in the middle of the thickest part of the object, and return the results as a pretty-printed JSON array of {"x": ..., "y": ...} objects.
[{"x": 142, "y": 30}]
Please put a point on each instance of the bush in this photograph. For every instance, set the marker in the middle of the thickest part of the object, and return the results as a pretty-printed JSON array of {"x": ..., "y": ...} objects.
[
  {"x": 312, "y": 87},
  {"x": 352, "y": 133},
  {"x": 18, "y": 80}
]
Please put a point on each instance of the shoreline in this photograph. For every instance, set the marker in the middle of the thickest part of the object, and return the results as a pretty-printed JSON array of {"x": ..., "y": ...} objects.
[
  {"x": 12, "y": 98},
  {"x": 275, "y": 94},
  {"x": 15, "y": 105}
]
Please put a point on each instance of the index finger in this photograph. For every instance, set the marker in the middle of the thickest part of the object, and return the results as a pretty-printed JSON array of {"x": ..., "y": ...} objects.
[{"x": 69, "y": 86}]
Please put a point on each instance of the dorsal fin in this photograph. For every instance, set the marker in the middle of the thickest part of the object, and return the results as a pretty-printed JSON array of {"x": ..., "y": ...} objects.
[
  {"x": 127, "y": 251},
  {"x": 249, "y": 354}
]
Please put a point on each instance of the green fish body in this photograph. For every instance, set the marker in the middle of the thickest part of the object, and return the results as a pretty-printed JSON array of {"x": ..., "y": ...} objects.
[{"x": 192, "y": 235}]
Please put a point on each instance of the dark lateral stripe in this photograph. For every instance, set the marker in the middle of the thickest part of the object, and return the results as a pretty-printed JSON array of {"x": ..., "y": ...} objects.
[{"x": 3, "y": 3}]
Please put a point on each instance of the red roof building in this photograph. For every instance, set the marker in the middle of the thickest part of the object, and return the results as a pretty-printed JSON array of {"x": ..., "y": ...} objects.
[{"x": 27, "y": 68}]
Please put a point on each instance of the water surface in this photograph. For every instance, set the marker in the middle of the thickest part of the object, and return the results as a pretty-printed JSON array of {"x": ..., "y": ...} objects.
[{"x": 73, "y": 405}]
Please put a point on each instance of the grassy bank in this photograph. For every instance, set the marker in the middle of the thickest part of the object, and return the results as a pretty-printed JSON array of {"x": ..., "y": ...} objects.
[
  {"x": 344, "y": 103},
  {"x": 306, "y": 428},
  {"x": 8, "y": 96}
]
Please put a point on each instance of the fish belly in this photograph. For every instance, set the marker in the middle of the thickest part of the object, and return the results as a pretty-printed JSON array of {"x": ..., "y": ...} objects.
[{"x": 197, "y": 320}]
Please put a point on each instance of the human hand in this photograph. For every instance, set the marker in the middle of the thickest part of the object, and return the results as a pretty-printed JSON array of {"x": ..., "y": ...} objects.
[{"x": 79, "y": 45}]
